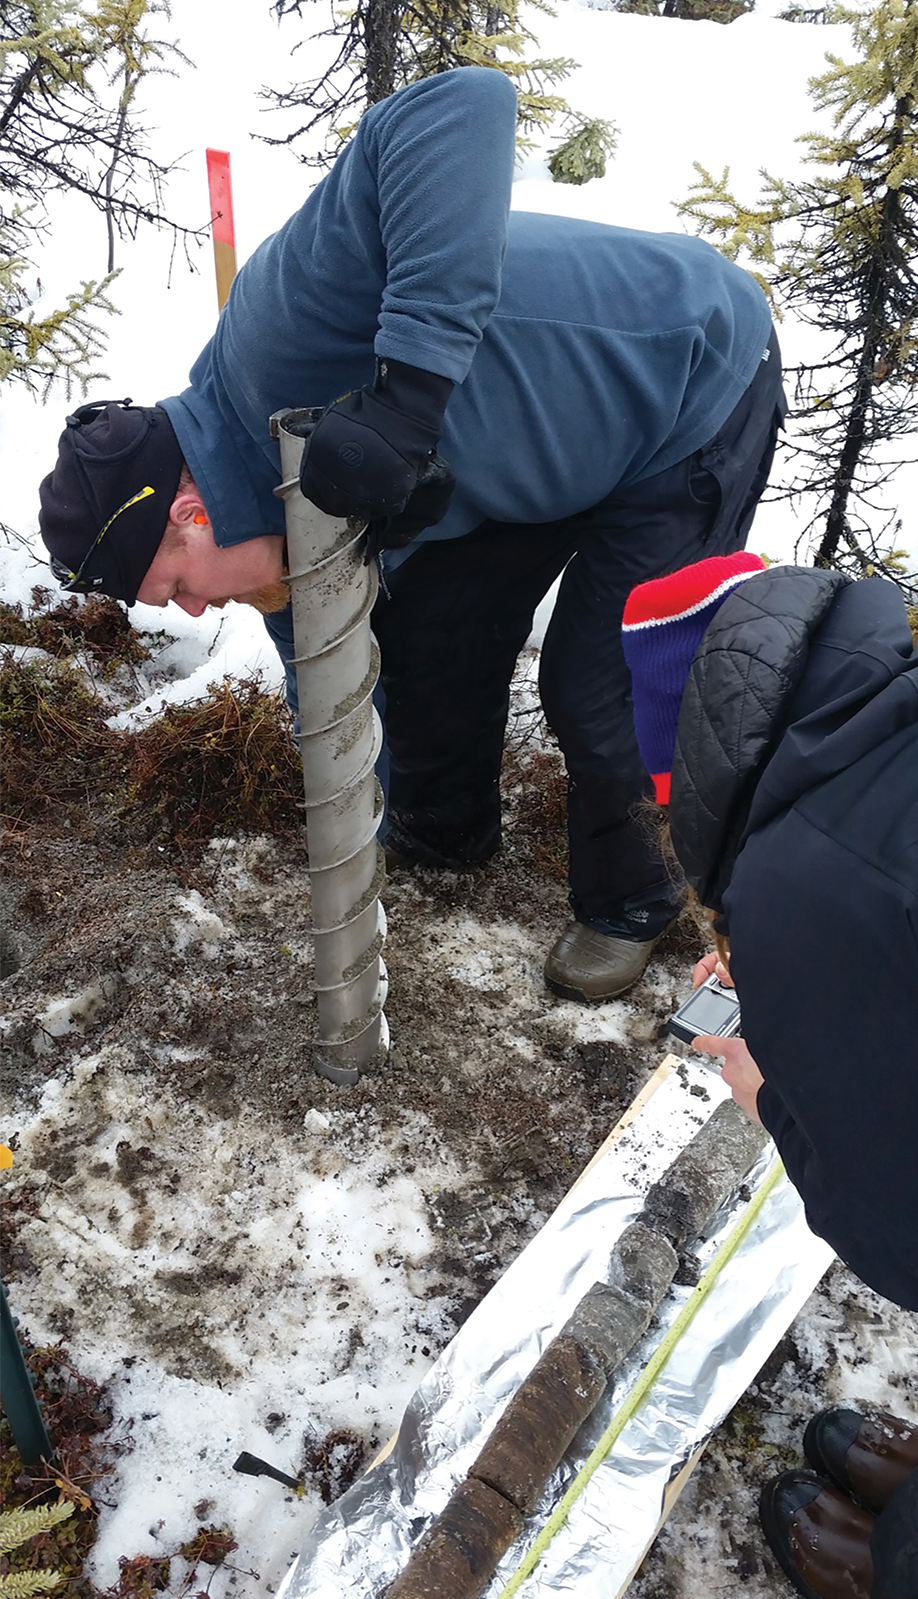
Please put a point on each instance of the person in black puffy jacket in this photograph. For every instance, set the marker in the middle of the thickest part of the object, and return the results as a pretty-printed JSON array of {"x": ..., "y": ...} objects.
[{"x": 777, "y": 713}]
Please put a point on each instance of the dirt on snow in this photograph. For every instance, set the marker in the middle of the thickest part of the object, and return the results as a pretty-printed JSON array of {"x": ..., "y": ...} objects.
[{"x": 179, "y": 980}]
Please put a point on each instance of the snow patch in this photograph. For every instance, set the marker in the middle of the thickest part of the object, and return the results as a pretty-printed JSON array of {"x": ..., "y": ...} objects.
[
  {"x": 72, "y": 1014},
  {"x": 203, "y": 929}
]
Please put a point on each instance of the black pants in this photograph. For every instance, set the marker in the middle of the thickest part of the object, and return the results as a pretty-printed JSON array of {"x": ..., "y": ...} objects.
[
  {"x": 894, "y": 1544},
  {"x": 457, "y": 613}
]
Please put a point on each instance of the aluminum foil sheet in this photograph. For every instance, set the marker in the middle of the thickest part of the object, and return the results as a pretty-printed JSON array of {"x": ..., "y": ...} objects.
[{"x": 363, "y": 1540}]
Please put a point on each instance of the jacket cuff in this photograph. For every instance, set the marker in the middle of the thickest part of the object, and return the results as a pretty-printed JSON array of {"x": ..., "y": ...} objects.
[{"x": 415, "y": 392}]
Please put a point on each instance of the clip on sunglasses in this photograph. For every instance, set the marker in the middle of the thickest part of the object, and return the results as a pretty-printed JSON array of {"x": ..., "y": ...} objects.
[{"x": 80, "y": 582}]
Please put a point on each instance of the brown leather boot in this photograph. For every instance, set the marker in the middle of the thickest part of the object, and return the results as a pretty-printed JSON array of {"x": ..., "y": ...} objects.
[
  {"x": 820, "y": 1538},
  {"x": 866, "y": 1456}
]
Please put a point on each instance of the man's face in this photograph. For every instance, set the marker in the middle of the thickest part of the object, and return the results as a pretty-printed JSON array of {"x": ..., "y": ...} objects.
[{"x": 192, "y": 570}]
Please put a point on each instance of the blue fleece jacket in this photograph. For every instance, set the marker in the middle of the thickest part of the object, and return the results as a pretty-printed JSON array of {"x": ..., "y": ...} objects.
[{"x": 585, "y": 356}]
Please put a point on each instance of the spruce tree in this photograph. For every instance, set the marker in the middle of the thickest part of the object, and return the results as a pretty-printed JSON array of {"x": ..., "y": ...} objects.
[
  {"x": 839, "y": 248},
  {"x": 583, "y": 154},
  {"x": 808, "y": 14},
  {"x": 385, "y": 44},
  {"x": 688, "y": 10},
  {"x": 69, "y": 72}
]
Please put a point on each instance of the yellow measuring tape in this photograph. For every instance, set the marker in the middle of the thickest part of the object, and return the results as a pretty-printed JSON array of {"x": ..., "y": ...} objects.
[{"x": 644, "y": 1383}]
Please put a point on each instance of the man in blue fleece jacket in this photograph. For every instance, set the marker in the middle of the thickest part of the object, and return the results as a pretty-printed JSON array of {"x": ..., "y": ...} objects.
[{"x": 508, "y": 397}]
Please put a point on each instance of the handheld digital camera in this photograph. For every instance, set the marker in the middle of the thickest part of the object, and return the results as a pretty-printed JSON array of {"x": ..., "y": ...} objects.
[{"x": 710, "y": 1009}]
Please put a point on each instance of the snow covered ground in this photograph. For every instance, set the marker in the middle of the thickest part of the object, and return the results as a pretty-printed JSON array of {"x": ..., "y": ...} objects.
[{"x": 247, "y": 1258}]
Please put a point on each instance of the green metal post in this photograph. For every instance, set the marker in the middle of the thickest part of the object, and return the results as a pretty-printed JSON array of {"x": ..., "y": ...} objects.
[{"x": 22, "y": 1408}]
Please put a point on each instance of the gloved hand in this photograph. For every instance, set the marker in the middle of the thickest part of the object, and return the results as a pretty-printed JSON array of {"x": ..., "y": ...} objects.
[
  {"x": 365, "y": 455},
  {"x": 426, "y": 505}
]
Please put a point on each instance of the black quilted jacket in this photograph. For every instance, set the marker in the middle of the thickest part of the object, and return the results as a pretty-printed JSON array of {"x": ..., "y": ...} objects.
[{"x": 794, "y": 812}]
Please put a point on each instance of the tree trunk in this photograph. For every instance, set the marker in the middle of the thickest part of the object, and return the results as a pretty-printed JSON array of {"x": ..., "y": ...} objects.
[
  {"x": 855, "y": 440},
  {"x": 380, "y": 42}
]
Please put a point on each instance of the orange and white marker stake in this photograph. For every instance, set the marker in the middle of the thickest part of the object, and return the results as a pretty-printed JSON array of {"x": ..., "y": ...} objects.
[{"x": 220, "y": 186}]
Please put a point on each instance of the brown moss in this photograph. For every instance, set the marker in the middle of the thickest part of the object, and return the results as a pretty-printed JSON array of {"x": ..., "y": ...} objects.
[
  {"x": 76, "y": 1414},
  {"x": 54, "y": 744},
  {"x": 219, "y": 764},
  {"x": 222, "y": 764},
  {"x": 332, "y": 1463},
  {"x": 534, "y": 784},
  {"x": 95, "y": 626}
]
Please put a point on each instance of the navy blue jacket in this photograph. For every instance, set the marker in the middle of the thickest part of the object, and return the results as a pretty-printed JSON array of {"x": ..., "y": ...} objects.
[
  {"x": 584, "y": 356},
  {"x": 795, "y": 810}
]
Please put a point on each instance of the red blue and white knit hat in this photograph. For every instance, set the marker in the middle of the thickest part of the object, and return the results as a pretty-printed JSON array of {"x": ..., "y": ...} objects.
[{"x": 663, "y": 625}]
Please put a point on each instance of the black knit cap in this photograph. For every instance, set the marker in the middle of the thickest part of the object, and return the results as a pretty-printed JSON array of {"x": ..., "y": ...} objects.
[{"x": 117, "y": 473}]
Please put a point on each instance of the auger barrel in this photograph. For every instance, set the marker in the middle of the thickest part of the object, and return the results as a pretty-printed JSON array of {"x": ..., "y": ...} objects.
[{"x": 340, "y": 736}]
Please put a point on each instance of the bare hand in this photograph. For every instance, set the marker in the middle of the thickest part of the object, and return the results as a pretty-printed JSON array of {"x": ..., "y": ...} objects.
[
  {"x": 711, "y": 966},
  {"x": 740, "y": 1072}
]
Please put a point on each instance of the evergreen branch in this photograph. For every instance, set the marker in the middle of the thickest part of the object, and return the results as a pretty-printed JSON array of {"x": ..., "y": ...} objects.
[
  {"x": 28, "y": 1584},
  {"x": 386, "y": 44},
  {"x": 840, "y": 249},
  {"x": 19, "y": 1525}
]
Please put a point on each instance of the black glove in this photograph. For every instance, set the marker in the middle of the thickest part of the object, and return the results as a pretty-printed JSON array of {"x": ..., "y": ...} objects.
[
  {"x": 365, "y": 454},
  {"x": 427, "y": 505}
]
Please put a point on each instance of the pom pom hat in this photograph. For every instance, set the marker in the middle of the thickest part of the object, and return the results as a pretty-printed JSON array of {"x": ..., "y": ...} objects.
[{"x": 663, "y": 625}]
